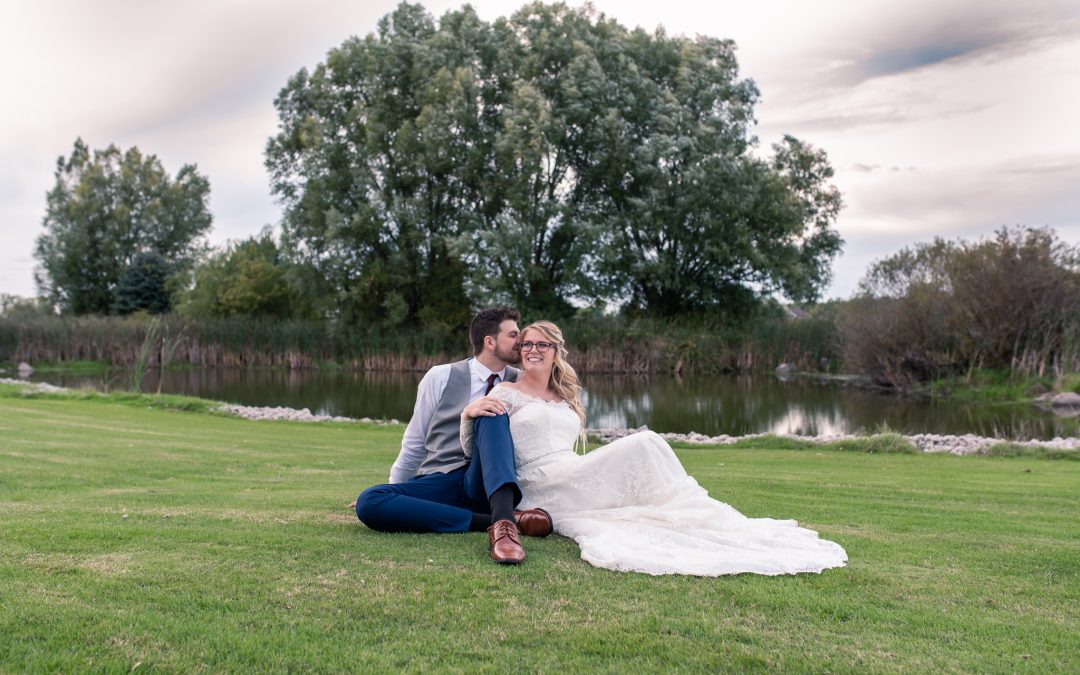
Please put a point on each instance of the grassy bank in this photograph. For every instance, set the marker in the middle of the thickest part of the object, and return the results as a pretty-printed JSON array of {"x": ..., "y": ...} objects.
[
  {"x": 139, "y": 533},
  {"x": 999, "y": 385},
  {"x": 598, "y": 344}
]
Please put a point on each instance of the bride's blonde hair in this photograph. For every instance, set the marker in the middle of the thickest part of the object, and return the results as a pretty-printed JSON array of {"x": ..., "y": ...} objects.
[{"x": 564, "y": 381}]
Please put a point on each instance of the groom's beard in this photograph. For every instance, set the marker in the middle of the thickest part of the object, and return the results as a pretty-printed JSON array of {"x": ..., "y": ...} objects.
[{"x": 511, "y": 356}]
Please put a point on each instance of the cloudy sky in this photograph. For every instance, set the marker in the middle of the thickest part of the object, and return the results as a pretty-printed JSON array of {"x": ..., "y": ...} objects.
[{"x": 941, "y": 117}]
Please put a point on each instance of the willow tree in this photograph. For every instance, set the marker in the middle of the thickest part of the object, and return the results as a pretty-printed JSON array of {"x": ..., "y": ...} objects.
[
  {"x": 547, "y": 158},
  {"x": 371, "y": 165}
]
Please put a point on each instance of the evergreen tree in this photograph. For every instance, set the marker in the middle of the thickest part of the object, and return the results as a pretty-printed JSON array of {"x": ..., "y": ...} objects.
[{"x": 143, "y": 287}]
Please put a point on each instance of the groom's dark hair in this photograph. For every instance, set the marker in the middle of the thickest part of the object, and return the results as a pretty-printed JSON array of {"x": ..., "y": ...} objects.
[{"x": 487, "y": 322}]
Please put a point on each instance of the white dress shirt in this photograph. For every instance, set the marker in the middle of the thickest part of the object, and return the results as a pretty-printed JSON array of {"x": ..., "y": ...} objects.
[{"x": 428, "y": 395}]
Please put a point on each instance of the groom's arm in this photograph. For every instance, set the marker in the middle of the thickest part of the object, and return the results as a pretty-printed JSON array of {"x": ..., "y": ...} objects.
[{"x": 413, "y": 451}]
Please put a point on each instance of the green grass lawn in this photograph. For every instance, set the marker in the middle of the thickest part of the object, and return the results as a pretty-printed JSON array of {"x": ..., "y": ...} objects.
[{"x": 132, "y": 535}]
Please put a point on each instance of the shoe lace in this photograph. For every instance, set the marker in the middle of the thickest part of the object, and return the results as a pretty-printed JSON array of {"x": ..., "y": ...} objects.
[{"x": 504, "y": 528}]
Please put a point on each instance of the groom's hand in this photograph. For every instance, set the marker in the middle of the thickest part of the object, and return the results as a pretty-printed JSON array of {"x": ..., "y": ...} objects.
[{"x": 483, "y": 407}]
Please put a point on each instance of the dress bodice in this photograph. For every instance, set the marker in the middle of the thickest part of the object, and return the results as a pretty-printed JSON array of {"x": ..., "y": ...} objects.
[{"x": 542, "y": 430}]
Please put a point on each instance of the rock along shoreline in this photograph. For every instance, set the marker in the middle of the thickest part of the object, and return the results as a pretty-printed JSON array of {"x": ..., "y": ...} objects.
[{"x": 965, "y": 444}]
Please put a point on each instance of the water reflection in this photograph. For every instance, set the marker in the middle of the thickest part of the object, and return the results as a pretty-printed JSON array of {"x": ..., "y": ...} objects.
[
  {"x": 709, "y": 405},
  {"x": 731, "y": 405}
]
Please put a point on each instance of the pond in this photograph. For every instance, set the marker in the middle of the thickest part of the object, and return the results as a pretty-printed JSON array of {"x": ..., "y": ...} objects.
[{"x": 732, "y": 405}]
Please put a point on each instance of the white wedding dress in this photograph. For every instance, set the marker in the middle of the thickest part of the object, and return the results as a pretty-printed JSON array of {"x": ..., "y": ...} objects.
[{"x": 631, "y": 506}]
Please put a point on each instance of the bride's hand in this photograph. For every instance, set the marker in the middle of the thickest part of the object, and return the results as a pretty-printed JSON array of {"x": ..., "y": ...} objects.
[{"x": 483, "y": 407}]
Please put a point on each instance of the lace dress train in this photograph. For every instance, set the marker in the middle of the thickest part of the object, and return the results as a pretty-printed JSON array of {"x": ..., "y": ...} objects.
[{"x": 631, "y": 506}]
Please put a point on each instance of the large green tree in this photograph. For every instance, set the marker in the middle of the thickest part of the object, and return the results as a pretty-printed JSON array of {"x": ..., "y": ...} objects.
[
  {"x": 695, "y": 220},
  {"x": 106, "y": 208},
  {"x": 545, "y": 158},
  {"x": 367, "y": 164}
]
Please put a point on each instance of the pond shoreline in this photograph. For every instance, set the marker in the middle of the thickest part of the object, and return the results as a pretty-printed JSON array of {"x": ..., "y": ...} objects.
[
  {"x": 965, "y": 444},
  {"x": 957, "y": 444}
]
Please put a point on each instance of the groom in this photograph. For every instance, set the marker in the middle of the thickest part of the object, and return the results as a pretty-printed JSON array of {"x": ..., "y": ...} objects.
[{"x": 433, "y": 486}]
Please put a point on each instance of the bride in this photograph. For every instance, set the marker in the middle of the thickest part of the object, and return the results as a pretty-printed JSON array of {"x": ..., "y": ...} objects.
[{"x": 629, "y": 505}]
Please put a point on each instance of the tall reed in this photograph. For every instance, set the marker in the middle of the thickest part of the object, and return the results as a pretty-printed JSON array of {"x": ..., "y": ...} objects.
[
  {"x": 615, "y": 344},
  {"x": 597, "y": 344},
  {"x": 142, "y": 360}
]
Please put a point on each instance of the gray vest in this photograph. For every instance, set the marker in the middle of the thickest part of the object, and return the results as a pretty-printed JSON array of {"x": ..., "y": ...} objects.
[{"x": 443, "y": 442}]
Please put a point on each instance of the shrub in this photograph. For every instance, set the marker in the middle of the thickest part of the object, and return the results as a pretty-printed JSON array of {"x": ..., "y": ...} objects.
[{"x": 1011, "y": 302}]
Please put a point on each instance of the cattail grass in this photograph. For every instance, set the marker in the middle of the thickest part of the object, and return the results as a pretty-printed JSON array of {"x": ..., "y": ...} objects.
[
  {"x": 141, "y": 342},
  {"x": 596, "y": 344},
  {"x": 618, "y": 345}
]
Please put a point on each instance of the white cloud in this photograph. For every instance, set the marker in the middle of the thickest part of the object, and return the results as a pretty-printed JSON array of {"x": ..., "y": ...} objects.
[
  {"x": 948, "y": 118},
  {"x": 957, "y": 147}
]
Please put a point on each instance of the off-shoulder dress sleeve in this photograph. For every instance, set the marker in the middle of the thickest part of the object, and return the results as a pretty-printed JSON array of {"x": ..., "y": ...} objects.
[{"x": 510, "y": 400}]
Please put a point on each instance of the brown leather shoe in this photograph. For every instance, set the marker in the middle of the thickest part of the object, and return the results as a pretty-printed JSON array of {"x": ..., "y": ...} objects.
[
  {"x": 505, "y": 543},
  {"x": 534, "y": 522}
]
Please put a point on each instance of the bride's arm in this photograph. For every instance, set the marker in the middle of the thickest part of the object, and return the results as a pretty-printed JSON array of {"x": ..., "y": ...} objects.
[
  {"x": 496, "y": 403},
  {"x": 485, "y": 406}
]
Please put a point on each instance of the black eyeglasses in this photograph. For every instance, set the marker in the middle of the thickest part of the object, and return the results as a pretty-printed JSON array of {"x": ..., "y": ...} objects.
[{"x": 540, "y": 346}]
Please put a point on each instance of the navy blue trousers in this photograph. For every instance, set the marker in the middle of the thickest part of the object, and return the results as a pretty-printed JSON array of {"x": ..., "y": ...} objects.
[{"x": 446, "y": 502}]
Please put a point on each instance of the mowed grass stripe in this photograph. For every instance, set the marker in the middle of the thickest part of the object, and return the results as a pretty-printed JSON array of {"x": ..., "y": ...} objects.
[{"x": 238, "y": 553}]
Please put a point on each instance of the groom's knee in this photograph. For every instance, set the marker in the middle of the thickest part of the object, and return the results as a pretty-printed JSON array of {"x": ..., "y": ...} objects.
[
  {"x": 495, "y": 429},
  {"x": 495, "y": 455},
  {"x": 372, "y": 508}
]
